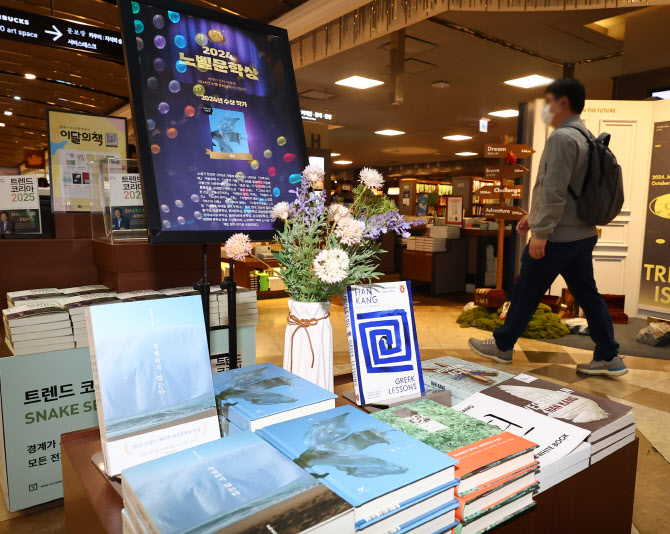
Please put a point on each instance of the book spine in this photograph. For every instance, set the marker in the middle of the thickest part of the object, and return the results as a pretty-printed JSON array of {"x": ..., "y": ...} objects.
[
  {"x": 239, "y": 419},
  {"x": 96, "y": 379},
  {"x": 136, "y": 504},
  {"x": 352, "y": 345}
]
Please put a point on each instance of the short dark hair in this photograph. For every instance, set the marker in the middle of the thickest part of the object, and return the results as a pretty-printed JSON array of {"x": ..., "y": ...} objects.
[
  {"x": 571, "y": 88},
  {"x": 119, "y": 210},
  {"x": 4, "y": 213}
]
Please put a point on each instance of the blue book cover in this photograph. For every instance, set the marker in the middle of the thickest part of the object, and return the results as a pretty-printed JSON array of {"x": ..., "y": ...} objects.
[
  {"x": 437, "y": 521},
  {"x": 383, "y": 344},
  {"x": 235, "y": 484},
  {"x": 153, "y": 378},
  {"x": 247, "y": 394},
  {"x": 359, "y": 457}
]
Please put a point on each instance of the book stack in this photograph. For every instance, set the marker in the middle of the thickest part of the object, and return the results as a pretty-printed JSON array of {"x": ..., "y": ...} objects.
[
  {"x": 76, "y": 307},
  {"x": 37, "y": 327},
  {"x": 84, "y": 290},
  {"x": 49, "y": 294},
  {"x": 237, "y": 484},
  {"x": 496, "y": 469},
  {"x": 461, "y": 377},
  {"x": 253, "y": 397},
  {"x": 140, "y": 294},
  {"x": 247, "y": 308},
  {"x": 565, "y": 467},
  {"x": 446, "y": 232},
  {"x": 395, "y": 482},
  {"x": 431, "y": 244},
  {"x": 152, "y": 376}
]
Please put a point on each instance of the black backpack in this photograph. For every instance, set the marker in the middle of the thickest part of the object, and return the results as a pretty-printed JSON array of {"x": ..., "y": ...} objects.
[{"x": 601, "y": 197}]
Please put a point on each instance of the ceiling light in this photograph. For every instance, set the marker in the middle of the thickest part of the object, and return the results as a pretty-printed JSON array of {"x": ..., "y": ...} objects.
[
  {"x": 334, "y": 154},
  {"x": 505, "y": 113},
  {"x": 389, "y": 132},
  {"x": 528, "y": 82},
  {"x": 457, "y": 137},
  {"x": 440, "y": 85},
  {"x": 342, "y": 162},
  {"x": 30, "y": 76},
  {"x": 8, "y": 113},
  {"x": 2, "y": 124},
  {"x": 466, "y": 153},
  {"x": 358, "y": 82},
  {"x": 393, "y": 191},
  {"x": 17, "y": 97}
]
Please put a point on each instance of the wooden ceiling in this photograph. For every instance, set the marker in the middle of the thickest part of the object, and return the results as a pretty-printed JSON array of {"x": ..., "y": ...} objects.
[{"x": 73, "y": 81}]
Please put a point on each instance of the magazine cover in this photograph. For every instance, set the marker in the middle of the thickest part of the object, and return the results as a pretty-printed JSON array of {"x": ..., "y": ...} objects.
[
  {"x": 383, "y": 345},
  {"x": 153, "y": 378}
]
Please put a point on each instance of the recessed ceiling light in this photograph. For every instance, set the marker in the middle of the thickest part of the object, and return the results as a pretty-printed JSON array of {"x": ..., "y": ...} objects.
[
  {"x": 8, "y": 113},
  {"x": 389, "y": 132},
  {"x": 528, "y": 82},
  {"x": 334, "y": 154},
  {"x": 466, "y": 153},
  {"x": 17, "y": 97},
  {"x": 440, "y": 85},
  {"x": 358, "y": 82},
  {"x": 505, "y": 113},
  {"x": 457, "y": 137},
  {"x": 342, "y": 162},
  {"x": 30, "y": 76},
  {"x": 2, "y": 124}
]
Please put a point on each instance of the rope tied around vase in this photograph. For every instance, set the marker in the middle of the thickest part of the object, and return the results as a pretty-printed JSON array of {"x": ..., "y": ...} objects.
[{"x": 303, "y": 323}]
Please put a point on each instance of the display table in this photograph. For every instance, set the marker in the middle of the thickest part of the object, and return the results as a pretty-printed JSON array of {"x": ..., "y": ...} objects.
[{"x": 599, "y": 499}]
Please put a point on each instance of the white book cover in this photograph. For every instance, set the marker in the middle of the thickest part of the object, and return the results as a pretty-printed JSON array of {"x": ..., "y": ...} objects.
[
  {"x": 555, "y": 438},
  {"x": 84, "y": 290},
  {"x": 383, "y": 345}
]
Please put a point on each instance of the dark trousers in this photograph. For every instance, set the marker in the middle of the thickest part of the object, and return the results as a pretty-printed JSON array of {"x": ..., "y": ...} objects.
[{"x": 574, "y": 261}]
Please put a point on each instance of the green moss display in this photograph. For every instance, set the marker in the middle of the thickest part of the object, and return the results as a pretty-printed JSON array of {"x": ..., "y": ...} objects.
[{"x": 544, "y": 325}]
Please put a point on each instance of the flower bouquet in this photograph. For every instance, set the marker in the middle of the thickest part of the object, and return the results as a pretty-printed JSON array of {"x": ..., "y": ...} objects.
[{"x": 324, "y": 249}]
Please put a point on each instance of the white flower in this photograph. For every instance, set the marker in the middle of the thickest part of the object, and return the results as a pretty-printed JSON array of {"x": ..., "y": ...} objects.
[
  {"x": 371, "y": 178},
  {"x": 337, "y": 211},
  {"x": 238, "y": 247},
  {"x": 331, "y": 265},
  {"x": 313, "y": 174},
  {"x": 350, "y": 231},
  {"x": 282, "y": 211}
]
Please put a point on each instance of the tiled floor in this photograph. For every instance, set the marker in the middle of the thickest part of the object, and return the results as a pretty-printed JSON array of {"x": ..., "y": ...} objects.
[{"x": 646, "y": 387}]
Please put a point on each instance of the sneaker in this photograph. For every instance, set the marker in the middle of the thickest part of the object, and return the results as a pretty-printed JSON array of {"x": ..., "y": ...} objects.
[
  {"x": 614, "y": 367},
  {"x": 487, "y": 348}
]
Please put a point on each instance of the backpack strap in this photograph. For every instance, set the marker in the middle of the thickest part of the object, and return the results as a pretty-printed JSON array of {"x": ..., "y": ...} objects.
[{"x": 589, "y": 141}]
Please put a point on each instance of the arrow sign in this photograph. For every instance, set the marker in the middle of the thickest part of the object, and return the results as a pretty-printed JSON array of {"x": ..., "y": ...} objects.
[
  {"x": 501, "y": 211},
  {"x": 56, "y": 33},
  {"x": 508, "y": 191},
  {"x": 501, "y": 151},
  {"x": 504, "y": 172}
]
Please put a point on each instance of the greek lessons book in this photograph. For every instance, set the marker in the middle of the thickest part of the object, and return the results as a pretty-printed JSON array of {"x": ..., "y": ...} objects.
[
  {"x": 153, "y": 380},
  {"x": 461, "y": 377},
  {"x": 34, "y": 313},
  {"x": 264, "y": 394},
  {"x": 383, "y": 345},
  {"x": 370, "y": 464},
  {"x": 237, "y": 484}
]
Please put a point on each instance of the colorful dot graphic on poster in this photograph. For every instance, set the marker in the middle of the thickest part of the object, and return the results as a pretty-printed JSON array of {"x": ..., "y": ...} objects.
[
  {"x": 179, "y": 203},
  {"x": 140, "y": 43},
  {"x": 276, "y": 192},
  {"x": 272, "y": 172},
  {"x": 281, "y": 141},
  {"x": 201, "y": 39},
  {"x": 165, "y": 208},
  {"x": 180, "y": 65},
  {"x": 268, "y": 153},
  {"x": 159, "y": 42},
  {"x": 180, "y": 41},
  {"x": 174, "y": 86},
  {"x": 254, "y": 164},
  {"x": 181, "y": 220},
  {"x": 139, "y": 26},
  {"x": 216, "y": 36},
  {"x": 152, "y": 83},
  {"x": 195, "y": 198},
  {"x": 288, "y": 158},
  {"x": 159, "y": 64},
  {"x": 151, "y": 124},
  {"x": 136, "y": 7},
  {"x": 240, "y": 175},
  {"x": 155, "y": 149},
  {"x": 197, "y": 215},
  {"x": 189, "y": 111},
  {"x": 295, "y": 178},
  {"x": 167, "y": 224},
  {"x": 174, "y": 16},
  {"x": 163, "y": 107},
  {"x": 198, "y": 90},
  {"x": 159, "y": 22},
  {"x": 172, "y": 133}
]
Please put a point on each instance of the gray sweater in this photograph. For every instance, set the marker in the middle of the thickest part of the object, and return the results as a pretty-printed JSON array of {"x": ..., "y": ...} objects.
[{"x": 553, "y": 211}]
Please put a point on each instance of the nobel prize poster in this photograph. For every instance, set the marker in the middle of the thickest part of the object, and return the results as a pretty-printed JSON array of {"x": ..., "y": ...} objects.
[
  {"x": 655, "y": 277},
  {"x": 219, "y": 130},
  {"x": 19, "y": 205},
  {"x": 76, "y": 141}
]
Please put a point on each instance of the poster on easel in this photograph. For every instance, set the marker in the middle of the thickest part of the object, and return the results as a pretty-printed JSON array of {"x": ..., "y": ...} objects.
[
  {"x": 127, "y": 201},
  {"x": 19, "y": 206},
  {"x": 76, "y": 141},
  {"x": 455, "y": 211},
  {"x": 219, "y": 129}
]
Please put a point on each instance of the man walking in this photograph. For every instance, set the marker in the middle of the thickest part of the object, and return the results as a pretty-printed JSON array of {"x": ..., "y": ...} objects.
[{"x": 561, "y": 242}]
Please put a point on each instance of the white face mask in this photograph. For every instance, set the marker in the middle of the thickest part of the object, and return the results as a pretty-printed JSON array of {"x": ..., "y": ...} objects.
[{"x": 547, "y": 115}]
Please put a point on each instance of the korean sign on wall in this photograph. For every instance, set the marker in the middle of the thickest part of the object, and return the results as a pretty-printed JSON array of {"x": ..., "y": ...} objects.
[{"x": 19, "y": 205}]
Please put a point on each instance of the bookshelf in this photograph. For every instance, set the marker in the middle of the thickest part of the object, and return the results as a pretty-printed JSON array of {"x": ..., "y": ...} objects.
[
  {"x": 443, "y": 189},
  {"x": 467, "y": 187}
]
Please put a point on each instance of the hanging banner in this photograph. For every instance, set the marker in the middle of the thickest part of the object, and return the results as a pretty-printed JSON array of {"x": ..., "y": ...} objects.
[
  {"x": 19, "y": 205},
  {"x": 76, "y": 141},
  {"x": 655, "y": 278},
  {"x": 219, "y": 131},
  {"x": 125, "y": 193}
]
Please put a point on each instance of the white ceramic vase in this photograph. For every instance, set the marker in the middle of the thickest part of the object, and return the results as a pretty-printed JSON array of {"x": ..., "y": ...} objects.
[{"x": 308, "y": 342}]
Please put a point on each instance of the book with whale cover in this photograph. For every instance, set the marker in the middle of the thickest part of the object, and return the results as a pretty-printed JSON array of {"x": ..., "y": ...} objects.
[
  {"x": 264, "y": 394},
  {"x": 153, "y": 380},
  {"x": 237, "y": 484},
  {"x": 368, "y": 463}
]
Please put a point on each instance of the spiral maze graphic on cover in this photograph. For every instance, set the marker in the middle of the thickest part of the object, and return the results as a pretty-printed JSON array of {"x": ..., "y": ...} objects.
[{"x": 386, "y": 341}]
